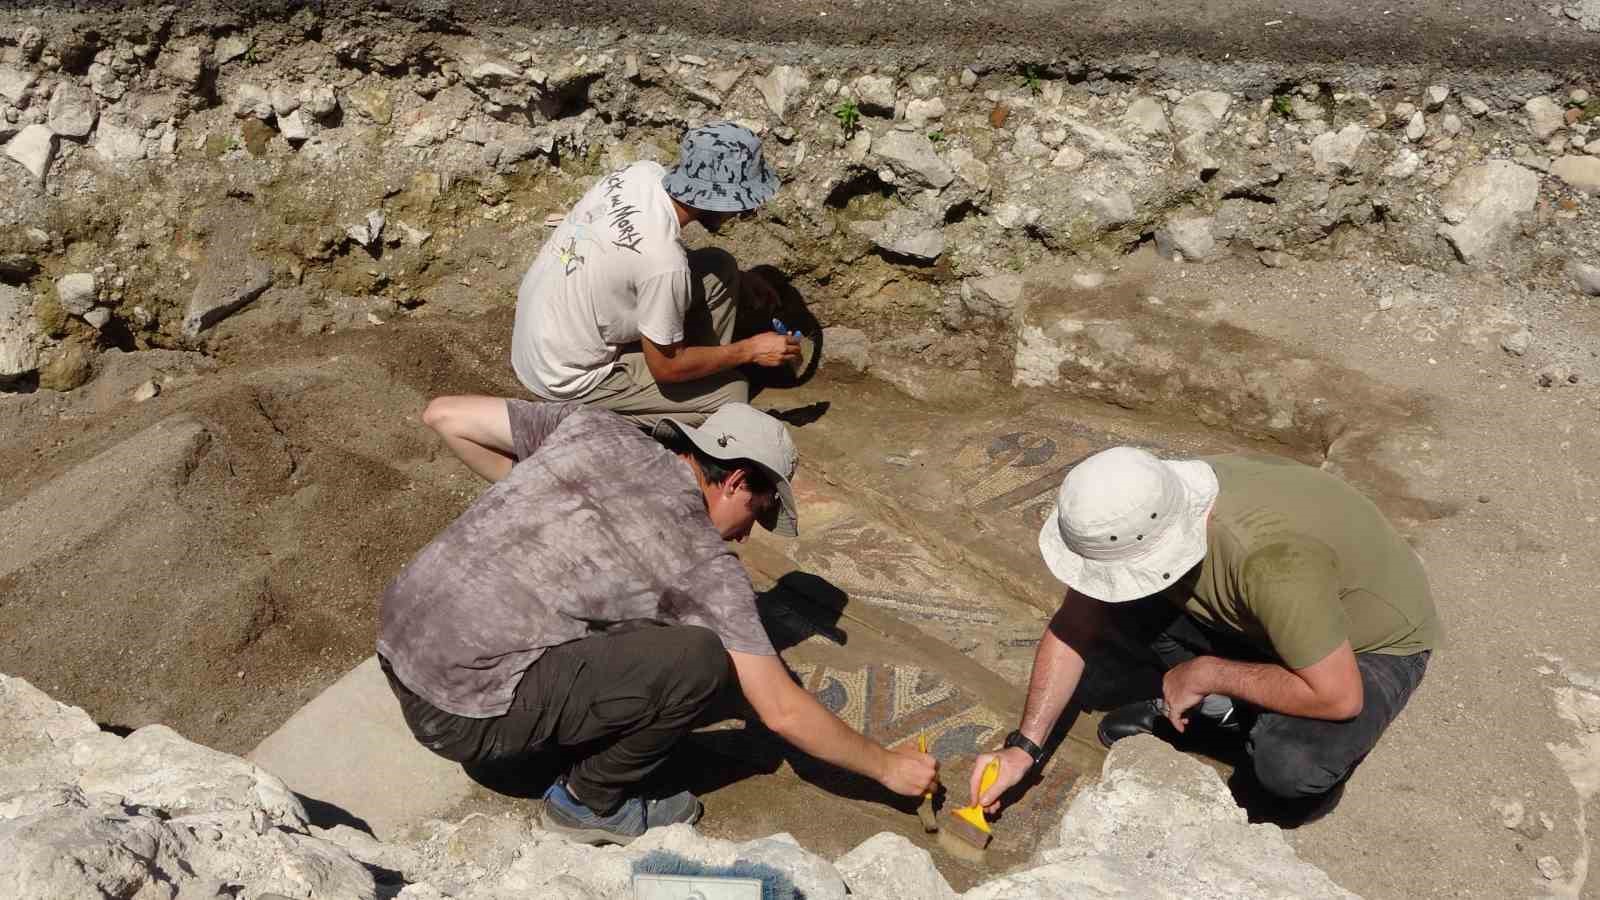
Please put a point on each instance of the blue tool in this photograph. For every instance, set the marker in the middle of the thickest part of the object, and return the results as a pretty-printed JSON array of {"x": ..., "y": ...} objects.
[{"x": 778, "y": 326}]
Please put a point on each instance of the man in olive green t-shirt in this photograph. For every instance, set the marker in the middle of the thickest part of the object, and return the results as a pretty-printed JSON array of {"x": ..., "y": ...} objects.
[{"x": 1283, "y": 606}]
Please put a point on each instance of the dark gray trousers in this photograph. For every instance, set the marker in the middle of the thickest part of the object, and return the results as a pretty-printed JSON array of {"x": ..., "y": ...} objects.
[
  {"x": 614, "y": 704},
  {"x": 1293, "y": 757}
]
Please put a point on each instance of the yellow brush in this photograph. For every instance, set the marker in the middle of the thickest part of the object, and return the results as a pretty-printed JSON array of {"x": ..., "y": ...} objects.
[
  {"x": 930, "y": 822},
  {"x": 968, "y": 822}
]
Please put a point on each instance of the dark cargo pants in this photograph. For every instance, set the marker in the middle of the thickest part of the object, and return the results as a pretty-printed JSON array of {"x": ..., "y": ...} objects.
[{"x": 614, "y": 704}]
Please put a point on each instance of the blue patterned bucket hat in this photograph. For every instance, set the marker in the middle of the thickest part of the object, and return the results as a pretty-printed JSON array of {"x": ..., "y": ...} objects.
[{"x": 720, "y": 169}]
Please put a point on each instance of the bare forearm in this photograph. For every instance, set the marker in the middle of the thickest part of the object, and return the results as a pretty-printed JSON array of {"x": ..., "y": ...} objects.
[
  {"x": 1057, "y": 669},
  {"x": 1267, "y": 685},
  {"x": 819, "y": 733},
  {"x": 690, "y": 362}
]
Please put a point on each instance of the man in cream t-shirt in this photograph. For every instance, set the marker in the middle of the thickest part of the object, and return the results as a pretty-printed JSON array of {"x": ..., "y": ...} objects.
[{"x": 616, "y": 313}]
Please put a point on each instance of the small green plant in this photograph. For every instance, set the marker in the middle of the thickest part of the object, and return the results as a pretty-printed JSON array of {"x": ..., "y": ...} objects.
[
  {"x": 250, "y": 54},
  {"x": 849, "y": 116},
  {"x": 1283, "y": 105},
  {"x": 936, "y": 136},
  {"x": 233, "y": 142},
  {"x": 1030, "y": 80}
]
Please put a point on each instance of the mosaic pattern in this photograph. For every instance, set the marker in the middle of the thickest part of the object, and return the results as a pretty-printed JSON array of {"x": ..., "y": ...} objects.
[{"x": 894, "y": 704}]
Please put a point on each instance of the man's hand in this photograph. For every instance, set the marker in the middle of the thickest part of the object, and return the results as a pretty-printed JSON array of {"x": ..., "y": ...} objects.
[
  {"x": 909, "y": 772},
  {"x": 772, "y": 349},
  {"x": 1014, "y": 763},
  {"x": 1182, "y": 690}
]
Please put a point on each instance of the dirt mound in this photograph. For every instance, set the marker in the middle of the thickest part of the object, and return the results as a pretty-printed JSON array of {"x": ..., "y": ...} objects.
[{"x": 211, "y": 558}]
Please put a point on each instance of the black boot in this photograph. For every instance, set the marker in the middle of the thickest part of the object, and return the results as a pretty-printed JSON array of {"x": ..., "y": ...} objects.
[
  {"x": 1142, "y": 717},
  {"x": 1150, "y": 717}
]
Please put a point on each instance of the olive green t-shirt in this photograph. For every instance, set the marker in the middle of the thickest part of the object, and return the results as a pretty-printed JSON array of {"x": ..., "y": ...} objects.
[{"x": 1297, "y": 561}]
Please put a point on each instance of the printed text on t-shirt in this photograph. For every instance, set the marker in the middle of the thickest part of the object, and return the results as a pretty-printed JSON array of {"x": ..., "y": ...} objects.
[{"x": 621, "y": 213}]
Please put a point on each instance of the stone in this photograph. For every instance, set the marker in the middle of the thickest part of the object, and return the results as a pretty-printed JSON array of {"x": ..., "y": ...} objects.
[
  {"x": 919, "y": 112},
  {"x": 904, "y": 233},
  {"x": 847, "y": 346},
  {"x": 33, "y": 148},
  {"x": 1482, "y": 204},
  {"x": 1517, "y": 342},
  {"x": 252, "y": 101},
  {"x": 1545, "y": 117},
  {"x": 1474, "y": 106},
  {"x": 1335, "y": 152},
  {"x": 1027, "y": 144},
  {"x": 369, "y": 232},
  {"x": 969, "y": 78},
  {"x": 780, "y": 86},
  {"x": 812, "y": 875},
  {"x": 98, "y": 317},
  {"x": 285, "y": 99},
  {"x": 1581, "y": 172},
  {"x": 1551, "y": 868},
  {"x": 1434, "y": 97},
  {"x": 1191, "y": 238},
  {"x": 19, "y": 334},
  {"x": 912, "y": 156},
  {"x": 1165, "y": 822},
  {"x": 1451, "y": 124},
  {"x": 887, "y": 866},
  {"x": 1406, "y": 162},
  {"x": 994, "y": 297},
  {"x": 231, "y": 47},
  {"x": 1585, "y": 276},
  {"x": 119, "y": 144},
  {"x": 73, "y": 110},
  {"x": 970, "y": 168},
  {"x": 1146, "y": 115},
  {"x": 293, "y": 127},
  {"x": 1416, "y": 127},
  {"x": 1069, "y": 158},
  {"x": 319, "y": 101},
  {"x": 75, "y": 292},
  {"x": 15, "y": 84},
  {"x": 495, "y": 74},
  {"x": 223, "y": 289},
  {"x": 874, "y": 94},
  {"x": 1201, "y": 112},
  {"x": 183, "y": 64}
]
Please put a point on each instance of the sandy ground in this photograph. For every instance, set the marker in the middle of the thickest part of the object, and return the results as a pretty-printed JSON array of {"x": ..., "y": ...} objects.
[{"x": 241, "y": 573}]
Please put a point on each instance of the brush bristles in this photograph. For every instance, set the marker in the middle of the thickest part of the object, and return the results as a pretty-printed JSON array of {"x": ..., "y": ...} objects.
[{"x": 966, "y": 831}]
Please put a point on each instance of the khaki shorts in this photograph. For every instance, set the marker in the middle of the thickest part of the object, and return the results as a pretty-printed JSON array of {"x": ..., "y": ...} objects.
[{"x": 632, "y": 392}]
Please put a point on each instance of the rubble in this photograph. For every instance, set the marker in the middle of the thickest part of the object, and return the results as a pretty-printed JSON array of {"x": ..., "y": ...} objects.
[
  {"x": 33, "y": 148},
  {"x": 84, "y": 812},
  {"x": 19, "y": 334},
  {"x": 1581, "y": 172}
]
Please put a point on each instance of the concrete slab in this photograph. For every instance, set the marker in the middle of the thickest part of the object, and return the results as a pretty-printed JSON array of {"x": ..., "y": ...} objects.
[{"x": 351, "y": 758}]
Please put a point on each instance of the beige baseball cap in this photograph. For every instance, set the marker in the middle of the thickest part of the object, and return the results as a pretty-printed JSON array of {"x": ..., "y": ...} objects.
[
  {"x": 1127, "y": 525},
  {"x": 740, "y": 431}
]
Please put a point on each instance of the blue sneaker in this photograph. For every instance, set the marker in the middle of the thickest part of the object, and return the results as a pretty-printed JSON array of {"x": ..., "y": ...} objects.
[{"x": 564, "y": 815}]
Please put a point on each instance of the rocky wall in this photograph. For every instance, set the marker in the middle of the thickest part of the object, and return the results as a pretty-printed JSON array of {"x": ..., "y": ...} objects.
[
  {"x": 86, "y": 813},
  {"x": 195, "y": 182}
]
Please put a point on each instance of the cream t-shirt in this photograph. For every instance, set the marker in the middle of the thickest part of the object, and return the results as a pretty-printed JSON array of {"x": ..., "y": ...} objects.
[{"x": 614, "y": 271}]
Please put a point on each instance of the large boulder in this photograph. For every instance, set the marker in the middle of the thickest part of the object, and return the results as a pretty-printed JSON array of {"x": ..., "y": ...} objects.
[
  {"x": 1482, "y": 204},
  {"x": 887, "y": 866},
  {"x": 911, "y": 157},
  {"x": 84, "y": 813},
  {"x": 1163, "y": 824}
]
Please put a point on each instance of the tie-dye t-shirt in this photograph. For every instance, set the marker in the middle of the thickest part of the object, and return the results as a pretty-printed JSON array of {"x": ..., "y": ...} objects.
[{"x": 596, "y": 524}]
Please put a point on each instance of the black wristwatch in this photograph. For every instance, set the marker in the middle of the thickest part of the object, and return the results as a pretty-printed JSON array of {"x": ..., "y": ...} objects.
[{"x": 1020, "y": 741}]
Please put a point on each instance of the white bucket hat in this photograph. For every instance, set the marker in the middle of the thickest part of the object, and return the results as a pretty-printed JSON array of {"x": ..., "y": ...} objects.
[
  {"x": 1126, "y": 524},
  {"x": 740, "y": 431}
]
